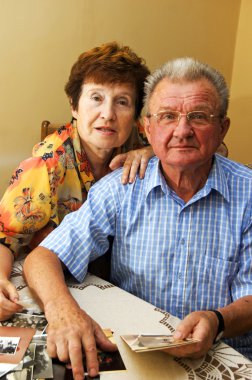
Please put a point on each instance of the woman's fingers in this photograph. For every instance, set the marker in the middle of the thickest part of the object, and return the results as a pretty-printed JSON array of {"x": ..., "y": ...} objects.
[
  {"x": 134, "y": 162},
  {"x": 8, "y": 300}
]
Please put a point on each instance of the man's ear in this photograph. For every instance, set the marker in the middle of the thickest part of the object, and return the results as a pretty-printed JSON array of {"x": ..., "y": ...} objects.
[
  {"x": 225, "y": 124},
  {"x": 146, "y": 122}
]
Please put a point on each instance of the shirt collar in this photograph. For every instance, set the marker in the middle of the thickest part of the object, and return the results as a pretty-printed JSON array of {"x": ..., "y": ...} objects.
[
  {"x": 156, "y": 177},
  {"x": 216, "y": 179}
]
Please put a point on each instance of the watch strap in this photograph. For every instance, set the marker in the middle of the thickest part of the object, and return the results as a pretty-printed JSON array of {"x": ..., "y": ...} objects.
[{"x": 221, "y": 326}]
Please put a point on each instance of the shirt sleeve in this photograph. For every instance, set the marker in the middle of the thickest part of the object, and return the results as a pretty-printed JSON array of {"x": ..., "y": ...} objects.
[
  {"x": 242, "y": 284},
  {"x": 26, "y": 205},
  {"x": 83, "y": 235}
]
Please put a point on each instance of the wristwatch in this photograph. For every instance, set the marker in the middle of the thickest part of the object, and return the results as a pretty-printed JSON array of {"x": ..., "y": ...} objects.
[{"x": 221, "y": 326}]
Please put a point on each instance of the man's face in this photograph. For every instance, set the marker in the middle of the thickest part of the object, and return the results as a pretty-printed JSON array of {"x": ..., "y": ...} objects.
[{"x": 181, "y": 145}]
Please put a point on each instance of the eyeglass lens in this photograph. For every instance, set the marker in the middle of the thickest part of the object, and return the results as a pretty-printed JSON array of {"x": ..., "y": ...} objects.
[{"x": 173, "y": 117}]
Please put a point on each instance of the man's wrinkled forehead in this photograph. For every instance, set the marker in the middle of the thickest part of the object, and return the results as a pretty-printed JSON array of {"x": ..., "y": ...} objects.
[{"x": 168, "y": 93}]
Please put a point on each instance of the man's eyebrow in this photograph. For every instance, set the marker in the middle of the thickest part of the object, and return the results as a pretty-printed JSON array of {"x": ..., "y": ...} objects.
[
  {"x": 202, "y": 106},
  {"x": 166, "y": 108}
]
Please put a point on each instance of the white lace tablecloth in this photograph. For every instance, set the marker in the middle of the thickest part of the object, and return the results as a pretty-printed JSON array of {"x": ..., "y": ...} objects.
[{"x": 125, "y": 314}]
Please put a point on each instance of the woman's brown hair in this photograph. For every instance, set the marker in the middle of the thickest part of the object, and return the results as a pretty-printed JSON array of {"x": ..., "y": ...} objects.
[{"x": 108, "y": 63}]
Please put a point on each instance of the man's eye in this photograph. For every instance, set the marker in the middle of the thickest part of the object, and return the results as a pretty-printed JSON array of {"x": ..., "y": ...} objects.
[
  {"x": 168, "y": 116},
  {"x": 198, "y": 116}
]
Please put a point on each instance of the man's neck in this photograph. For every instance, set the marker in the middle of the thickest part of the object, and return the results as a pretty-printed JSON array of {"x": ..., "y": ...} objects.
[{"x": 186, "y": 182}]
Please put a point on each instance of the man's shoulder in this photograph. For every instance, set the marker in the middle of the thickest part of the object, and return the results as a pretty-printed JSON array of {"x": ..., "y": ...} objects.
[
  {"x": 235, "y": 169},
  {"x": 113, "y": 180}
]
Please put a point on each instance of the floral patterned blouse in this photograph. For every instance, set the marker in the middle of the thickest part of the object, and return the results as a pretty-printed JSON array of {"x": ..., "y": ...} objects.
[{"x": 52, "y": 183}]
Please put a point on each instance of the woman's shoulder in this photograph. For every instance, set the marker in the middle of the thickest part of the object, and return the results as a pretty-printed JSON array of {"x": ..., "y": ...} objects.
[{"x": 54, "y": 141}]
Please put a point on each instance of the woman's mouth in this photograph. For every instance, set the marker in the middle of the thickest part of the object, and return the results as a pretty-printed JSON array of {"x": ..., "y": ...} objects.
[{"x": 106, "y": 130}]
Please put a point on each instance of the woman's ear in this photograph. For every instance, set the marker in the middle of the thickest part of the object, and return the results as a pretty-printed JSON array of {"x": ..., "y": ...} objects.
[{"x": 73, "y": 111}]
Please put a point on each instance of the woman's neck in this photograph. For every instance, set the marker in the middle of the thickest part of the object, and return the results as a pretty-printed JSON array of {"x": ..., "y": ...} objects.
[{"x": 99, "y": 160}]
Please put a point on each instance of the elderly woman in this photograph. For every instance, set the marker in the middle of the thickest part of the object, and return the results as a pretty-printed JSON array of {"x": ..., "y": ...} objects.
[{"x": 105, "y": 89}]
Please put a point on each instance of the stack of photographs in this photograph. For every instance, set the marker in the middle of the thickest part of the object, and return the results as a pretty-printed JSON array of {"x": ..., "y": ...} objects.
[
  {"x": 32, "y": 362},
  {"x": 25, "y": 319},
  {"x": 154, "y": 342},
  {"x": 36, "y": 364},
  {"x": 14, "y": 345}
]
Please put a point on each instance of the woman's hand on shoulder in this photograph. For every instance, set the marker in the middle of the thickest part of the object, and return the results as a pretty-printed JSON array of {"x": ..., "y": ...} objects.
[{"x": 134, "y": 162}]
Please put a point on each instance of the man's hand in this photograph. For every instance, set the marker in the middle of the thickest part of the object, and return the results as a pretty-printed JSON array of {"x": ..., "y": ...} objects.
[
  {"x": 8, "y": 300},
  {"x": 133, "y": 162},
  {"x": 70, "y": 333},
  {"x": 201, "y": 325}
]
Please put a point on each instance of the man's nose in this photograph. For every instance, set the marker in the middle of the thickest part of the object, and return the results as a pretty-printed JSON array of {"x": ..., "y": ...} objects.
[
  {"x": 183, "y": 128},
  {"x": 108, "y": 110}
]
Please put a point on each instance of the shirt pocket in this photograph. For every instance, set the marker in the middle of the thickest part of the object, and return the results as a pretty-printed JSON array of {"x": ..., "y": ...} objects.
[{"x": 214, "y": 277}]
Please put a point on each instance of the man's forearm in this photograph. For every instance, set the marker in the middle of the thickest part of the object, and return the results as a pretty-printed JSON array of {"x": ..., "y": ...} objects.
[
  {"x": 237, "y": 317},
  {"x": 44, "y": 275}
]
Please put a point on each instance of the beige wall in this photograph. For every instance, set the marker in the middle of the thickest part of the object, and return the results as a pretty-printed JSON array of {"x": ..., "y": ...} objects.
[
  {"x": 239, "y": 138},
  {"x": 40, "y": 39}
]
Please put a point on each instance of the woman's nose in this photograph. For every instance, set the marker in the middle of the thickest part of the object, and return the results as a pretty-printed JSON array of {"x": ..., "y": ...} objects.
[{"x": 108, "y": 110}]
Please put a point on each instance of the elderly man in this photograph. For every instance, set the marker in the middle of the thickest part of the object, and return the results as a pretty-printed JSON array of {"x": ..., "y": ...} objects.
[{"x": 182, "y": 236}]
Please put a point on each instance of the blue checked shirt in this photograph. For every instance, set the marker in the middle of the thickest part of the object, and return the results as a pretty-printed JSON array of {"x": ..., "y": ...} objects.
[{"x": 179, "y": 257}]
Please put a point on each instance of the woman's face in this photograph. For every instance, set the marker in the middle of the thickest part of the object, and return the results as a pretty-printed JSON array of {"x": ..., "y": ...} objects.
[{"x": 105, "y": 114}]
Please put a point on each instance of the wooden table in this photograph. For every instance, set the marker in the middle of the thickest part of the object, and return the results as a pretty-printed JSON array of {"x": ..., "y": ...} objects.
[{"x": 125, "y": 314}]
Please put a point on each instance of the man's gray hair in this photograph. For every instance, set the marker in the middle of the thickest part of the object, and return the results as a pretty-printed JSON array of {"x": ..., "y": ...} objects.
[{"x": 188, "y": 69}]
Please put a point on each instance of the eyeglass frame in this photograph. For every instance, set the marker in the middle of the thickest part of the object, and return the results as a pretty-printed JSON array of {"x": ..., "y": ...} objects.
[{"x": 180, "y": 114}]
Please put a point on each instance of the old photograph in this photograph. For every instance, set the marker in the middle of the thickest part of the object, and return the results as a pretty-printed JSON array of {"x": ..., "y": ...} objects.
[
  {"x": 43, "y": 364},
  {"x": 8, "y": 345},
  {"x": 27, "y": 320}
]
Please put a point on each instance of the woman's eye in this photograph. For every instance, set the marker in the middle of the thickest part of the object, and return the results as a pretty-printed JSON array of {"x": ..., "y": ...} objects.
[
  {"x": 123, "y": 102},
  {"x": 96, "y": 98}
]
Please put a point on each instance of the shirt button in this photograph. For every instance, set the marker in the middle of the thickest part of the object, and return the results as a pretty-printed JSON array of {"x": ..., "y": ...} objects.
[
  {"x": 180, "y": 275},
  {"x": 182, "y": 241}
]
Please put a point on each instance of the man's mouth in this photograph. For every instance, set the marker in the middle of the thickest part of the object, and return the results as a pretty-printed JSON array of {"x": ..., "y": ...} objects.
[{"x": 183, "y": 146}]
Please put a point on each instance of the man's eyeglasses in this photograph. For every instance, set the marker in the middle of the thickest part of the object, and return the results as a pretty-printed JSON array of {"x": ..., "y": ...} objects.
[{"x": 171, "y": 118}]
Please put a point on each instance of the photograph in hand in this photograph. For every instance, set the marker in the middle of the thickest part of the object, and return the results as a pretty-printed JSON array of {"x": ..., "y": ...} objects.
[{"x": 154, "y": 342}]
